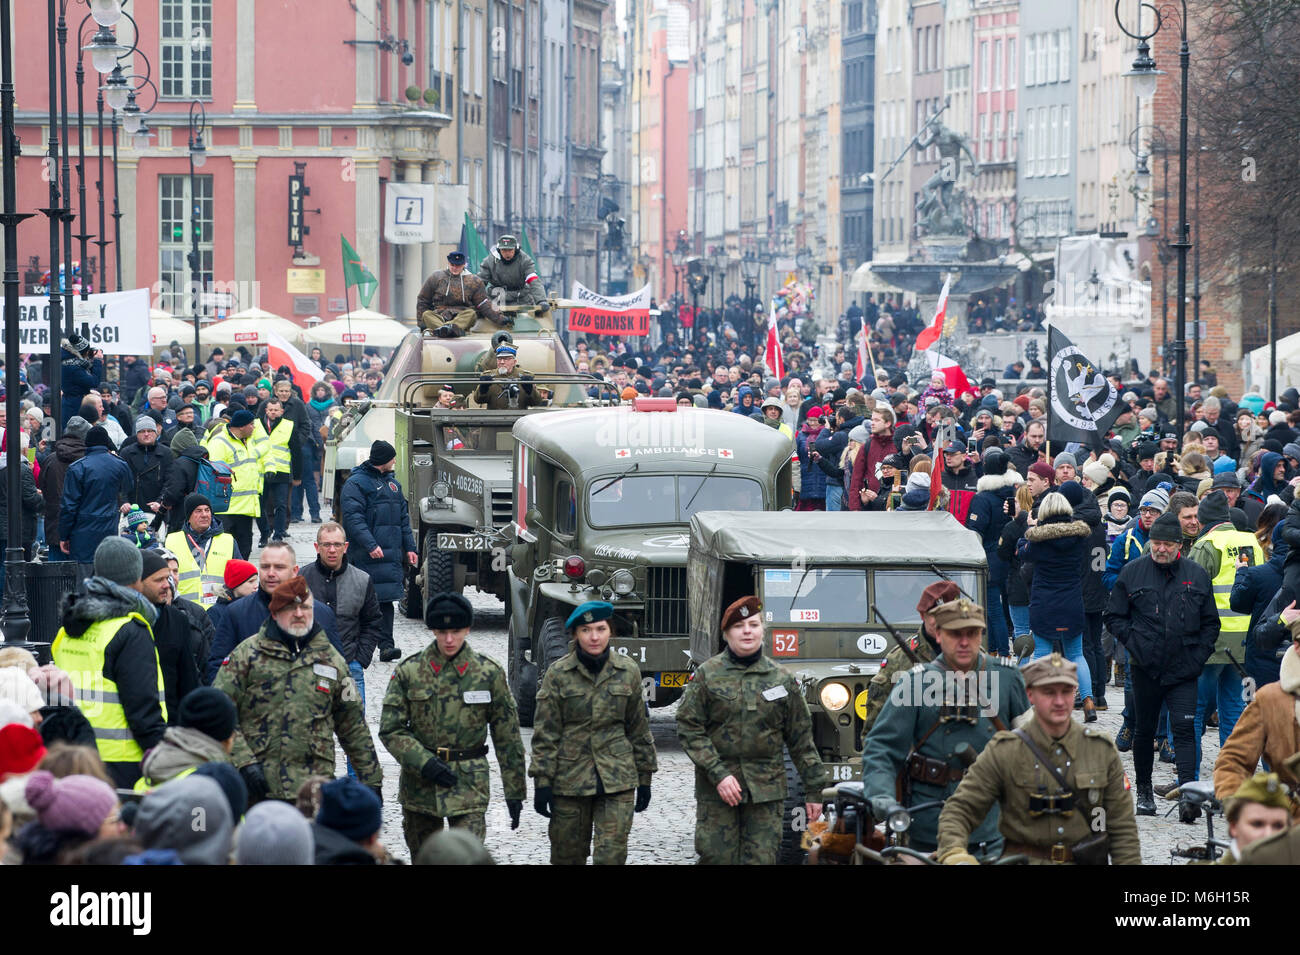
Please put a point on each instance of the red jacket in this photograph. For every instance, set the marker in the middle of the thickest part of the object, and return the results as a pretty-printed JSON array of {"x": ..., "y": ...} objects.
[{"x": 866, "y": 468}]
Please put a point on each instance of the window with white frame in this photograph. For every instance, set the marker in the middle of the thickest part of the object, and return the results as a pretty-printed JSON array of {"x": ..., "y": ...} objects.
[
  {"x": 1031, "y": 51},
  {"x": 1064, "y": 167},
  {"x": 1041, "y": 61},
  {"x": 1054, "y": 141},
  {"x": 185, "y": 34},
  {"x": 1011, "y": 134},
  {"x": 1011, "y": 63},
  {"x": 997, "y": 64},
  {"x": 999, "y": 146},
  {"x": 984, "y": 136},
  {"x": 1065, "y": 55},
  {"x": 181, "y": 214},
  {"x": 984, "y": 64}
]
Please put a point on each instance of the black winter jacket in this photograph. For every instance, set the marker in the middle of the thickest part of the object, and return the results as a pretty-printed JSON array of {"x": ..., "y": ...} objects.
[
  {"x": 1095, "y": 553},
  {"x": 151, "y": 467},
  {"x": 1056, "y": 548},
  {"x": 67, "y": 449},
  {"x": 989, "y": 512},
  {"x": 1164, "y": 614},
  {"x": 350, "y": 593},
  {"x": 173, "y": 635}
]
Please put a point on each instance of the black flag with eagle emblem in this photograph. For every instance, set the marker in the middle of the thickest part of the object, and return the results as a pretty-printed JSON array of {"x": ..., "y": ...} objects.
[{"x": 1082, "y": 403}]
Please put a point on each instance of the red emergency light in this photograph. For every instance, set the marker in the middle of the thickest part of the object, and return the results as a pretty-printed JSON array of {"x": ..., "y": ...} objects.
[{"x": 654, "y": 404}]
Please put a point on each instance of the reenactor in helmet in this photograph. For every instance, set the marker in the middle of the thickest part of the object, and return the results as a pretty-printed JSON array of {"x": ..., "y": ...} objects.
[
  {"x": 1060, "y": 784},
  {"x": 511, "y": 278},
  {"x": 451, "y": 300}
]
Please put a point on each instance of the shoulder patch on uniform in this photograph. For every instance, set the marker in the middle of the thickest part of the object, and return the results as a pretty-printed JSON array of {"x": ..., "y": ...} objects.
[{"x": 225, "y": 661}]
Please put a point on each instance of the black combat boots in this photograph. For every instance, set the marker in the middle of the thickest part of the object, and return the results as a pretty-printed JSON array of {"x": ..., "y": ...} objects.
[{"x": 1146, "y": 800}]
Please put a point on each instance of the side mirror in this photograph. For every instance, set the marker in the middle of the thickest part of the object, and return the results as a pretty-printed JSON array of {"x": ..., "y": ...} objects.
[{"x": 532, "y": 516}]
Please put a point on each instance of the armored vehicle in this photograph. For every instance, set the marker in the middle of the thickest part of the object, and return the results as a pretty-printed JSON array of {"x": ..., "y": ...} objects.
[
  {"x": 830, "y": 585},
  {"x": 602, "y": 501}
]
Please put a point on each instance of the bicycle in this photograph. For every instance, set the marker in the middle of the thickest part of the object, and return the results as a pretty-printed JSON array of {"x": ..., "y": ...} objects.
[{"x": 1198, "y": 793}]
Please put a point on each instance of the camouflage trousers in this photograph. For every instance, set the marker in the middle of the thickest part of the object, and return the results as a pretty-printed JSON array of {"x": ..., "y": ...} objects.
[
  {"x": 419, "y": 826},
  {"x": 575, "y": 818},
  {"x": 748, "y": 834}
]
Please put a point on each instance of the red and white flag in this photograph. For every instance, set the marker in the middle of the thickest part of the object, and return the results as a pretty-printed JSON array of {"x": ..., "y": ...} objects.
[
  {"x": 773, "y": 359},
  {"x": 860, "y": 368},
  {"x": 305, "y": 372},
  {"x": 931, "y": 335},
  {"x": 952, "y": 373}
]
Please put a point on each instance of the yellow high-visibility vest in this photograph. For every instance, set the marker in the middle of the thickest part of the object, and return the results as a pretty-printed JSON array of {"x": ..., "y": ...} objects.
[
  {"x": 82, "y": 658},
  {"x": 246, "y": 461},
  {"x": 278, "y": 457},
  {"x": 1231, "y": 545},
  {"x": 202, "y": 583}
]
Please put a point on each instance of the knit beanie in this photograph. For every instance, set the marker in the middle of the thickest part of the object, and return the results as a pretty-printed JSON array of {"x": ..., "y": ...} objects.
[
  {"x": 209, "y": 711},
  {"x": 151, "y": 561},
  {"x": 1099, "y": 471},
  {"x": 170, "y": 817},
  {"x": 1213, "y": 510},
  {"x": 77, "y": 427},
  {"x": 995, "y": 462},
  {"x": 135, "y": 517},
  {"x": 1073, "y": 492},
  {"x": 275, "y": 833},
  {"x": 17, "y": 686},
  {"x": 97, "y": 437},
  {"x": 381, "y": 452},
  {"x": 145, "y": 423},
  {"x": 1043, "y": 470},
  {"x": 118, "y": 560},
  {"x": 71, "y": 804},
  {"x": 231, "y": 783},
  {"x": 192, "y": 501},
  {"x": 21, "y": 749},
  {"x": 238, "y": 572},
  {"x": 1065, "y": 457},
  {"x": 350, "y": 809},
  {"x": 1166, "y": 528}
]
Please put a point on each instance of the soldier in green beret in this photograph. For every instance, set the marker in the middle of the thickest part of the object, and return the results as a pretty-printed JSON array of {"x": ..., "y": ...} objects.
[
  {"x": 738, "y": 715},
  {"x": 438, "y": 710},
  {"x": 1060, "y": 784},
  {"x": 1261, "y": 807},
  {"x": 593, "y": 754}
]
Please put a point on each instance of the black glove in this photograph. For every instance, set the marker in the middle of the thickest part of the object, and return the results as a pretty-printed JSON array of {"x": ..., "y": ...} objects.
[
  {"x": 507, "y": 320},
  {"x": 486, "y": 379},
  {"x": 642, "y": 798},
  {"x": 542, "y": 801},
  {"x": 514, "y": 807},
  {"x": 527, "y": 385},
  {"x": 543, "y": 307},
  {"x": 455, "y": 331},
  {"x": 255, "y": 780},
  {"x": 379, "y": 793},
  {"x": 436, "y": 771},
  {"x": 445, "y": 331}
]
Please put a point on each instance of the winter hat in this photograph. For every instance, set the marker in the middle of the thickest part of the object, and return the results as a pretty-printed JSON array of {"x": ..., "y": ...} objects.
[
  {"x": 995, "y": 462},
  {"x": 76, "y": 427},
  {"x": 350, "y": 809},
  {"x": 1166, "y": 528},
  {"x": 1073, "y": 492},
  {"x": 1147, "y": 450},
  {"x": 1118, "y": 494},
  {"x": 209, "y": 711},
  {"x": 118, "y": 560},
  {"x": 145, "y": 423},
  {"x": 1156, "y": 498},
  {"x": 1043, "y": 470},
  {"x": 241, "y": 418},
  {"x": 275, "y": 833},
  {"x": 11, "y": 712},
  {"x": 237, "y": 572},
  {"x": 859, "y": 434},
  {"x": 1224, "y": 479},
  {"x": 1277, "y": 418},
  {"x": 169, "y": 818},
  {"x": 1291, "y": 450},
  {"x": 918, "y": 479},
  {"x": 151, "y": 562},
  {"x": 1065, "y": 457},
  {"x": 135, "y": 517},
  {"x": 97, "y": 437},
  {"x": 21, "y": 749},
  {"x": 1224, "y": 465},
  {"x": 71, "y": 804},
  {"x": 17, "y": 686},
  {"x": 1099, "y": 471},
  {"x": 1213, "y": 510},
  {"x": 381, "y": 452},
  {"x": 453, "y": 847},
  {"x": 231, "y": 783}
]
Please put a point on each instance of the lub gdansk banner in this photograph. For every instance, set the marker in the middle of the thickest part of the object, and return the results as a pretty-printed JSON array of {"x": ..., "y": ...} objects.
[{"x": 610, "y": 314}]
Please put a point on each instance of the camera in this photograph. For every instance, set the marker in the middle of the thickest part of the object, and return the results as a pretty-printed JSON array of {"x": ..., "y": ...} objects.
[{"x": 408, "y": 58}]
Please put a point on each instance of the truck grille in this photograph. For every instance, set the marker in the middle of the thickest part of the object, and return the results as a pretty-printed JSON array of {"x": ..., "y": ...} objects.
[
  {"x": 503, "y": 503},
  {"x": 665, "y": 603}
]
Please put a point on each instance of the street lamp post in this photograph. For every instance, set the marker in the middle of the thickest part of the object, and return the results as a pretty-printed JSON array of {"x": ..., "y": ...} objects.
[
  {"x": 198, "y": 156},
  {"x": 16, "y": 622},
  {"x": 1145, "y": 75}
]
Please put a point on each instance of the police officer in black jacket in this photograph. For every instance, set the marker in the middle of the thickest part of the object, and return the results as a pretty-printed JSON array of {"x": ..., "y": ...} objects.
[{"x": 1162, "y": 609}]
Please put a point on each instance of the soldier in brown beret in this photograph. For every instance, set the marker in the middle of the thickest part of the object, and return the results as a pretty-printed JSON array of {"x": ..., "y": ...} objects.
[{"x": 923, "y": 645}]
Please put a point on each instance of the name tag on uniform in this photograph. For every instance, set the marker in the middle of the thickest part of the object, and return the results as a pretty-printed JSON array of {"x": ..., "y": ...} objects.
[
  {"x": 775, "y": 693},
  {"x": 478, "y": 696},
  {"x": 325, "y": 670}
]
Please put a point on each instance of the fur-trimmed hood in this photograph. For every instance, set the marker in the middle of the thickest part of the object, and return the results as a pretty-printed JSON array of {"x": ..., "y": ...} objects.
[
  {"x": 996, "y": 482},
  {"x": 102, "y": 600},
  {"x": 1056, "y": 530}
]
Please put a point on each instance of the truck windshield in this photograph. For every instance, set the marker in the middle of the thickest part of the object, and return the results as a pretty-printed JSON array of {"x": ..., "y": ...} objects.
[
  {"x": 812, "y": 595},
  {"x": 899, "y": 591},
  {"x": 647, "y": 499},
  {"x": 475, "y": 438}
]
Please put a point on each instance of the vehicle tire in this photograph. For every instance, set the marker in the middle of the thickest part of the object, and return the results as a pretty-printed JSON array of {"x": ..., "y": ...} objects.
[
  {"x": 522, "y": 676},
  {"x": 791, "y": 851},
  {"x": 439, "y": 572},
  {"x": 411, "y": 603},
  {"x": 551, "y": 643}
]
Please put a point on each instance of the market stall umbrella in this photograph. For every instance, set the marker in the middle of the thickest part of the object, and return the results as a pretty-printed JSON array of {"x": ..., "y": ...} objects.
[
  {"x": 249, "y": 328},
  {"x": 167, "y": 329},
  {"x": 365, "y": 328}
]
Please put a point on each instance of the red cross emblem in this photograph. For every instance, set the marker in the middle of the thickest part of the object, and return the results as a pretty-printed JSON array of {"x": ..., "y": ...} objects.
[
  {"x": 622, "y": 453},
  {"x": 725, "y": 453}
]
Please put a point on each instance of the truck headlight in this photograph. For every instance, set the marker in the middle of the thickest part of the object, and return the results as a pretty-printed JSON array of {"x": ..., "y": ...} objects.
[
  {"x": 441, "y": 490},
  {"x": 835, "y": 696},
  {"x": 622, "y": 581}
]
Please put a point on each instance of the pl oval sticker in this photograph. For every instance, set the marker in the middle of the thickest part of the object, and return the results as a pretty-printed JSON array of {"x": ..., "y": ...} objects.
[{"x": 872, "y": 644}]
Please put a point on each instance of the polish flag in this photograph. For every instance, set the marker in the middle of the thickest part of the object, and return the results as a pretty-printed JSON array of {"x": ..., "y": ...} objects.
[
  {"x": 952, "y": 373},
  {"x": 860, "y": 368},
  {"x": 773, "y": 358},
  {"x": 931, "y": 335},
  {"x": 304, "y": 370}
]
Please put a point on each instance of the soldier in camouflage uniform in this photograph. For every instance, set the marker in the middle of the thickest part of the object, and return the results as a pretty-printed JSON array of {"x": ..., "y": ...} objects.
[
  {"x": 512, "y": 278},
  {"x": 897, "y": 662},
  {"x": 738, "y": 715},
  {"x": 293, "y": 693},
  {"x": 1039, "y": 818},
  {"x": 437, "y": 711},
  {"x": 451, "y": 300},
  {"x": 592, "y": 750}
]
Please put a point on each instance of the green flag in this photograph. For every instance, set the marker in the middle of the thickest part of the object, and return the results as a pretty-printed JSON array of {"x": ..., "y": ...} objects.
[
  {"x": 356, "y": 273},
  {"x": 475, "y": 250},
  {"x": 525, "y": 244}
]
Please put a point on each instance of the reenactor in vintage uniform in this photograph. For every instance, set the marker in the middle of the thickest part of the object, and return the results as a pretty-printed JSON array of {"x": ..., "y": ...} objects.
[
  {"x": 898, "y": 661},
  {"x": 938, "y": 718},
  {"x": 293, "y": 694},
  {"x": 1060, "y": 785},
  {"x": 593, "y": 755},
  {"x": 451, "y": 300},
  {"x": 511, "y": 276},
  {"x": 1260, "y": 808},
  {"x": 510, "y": 386},
  {"x": 438, "y": 709},
  {"x": 738, "y": 715}
]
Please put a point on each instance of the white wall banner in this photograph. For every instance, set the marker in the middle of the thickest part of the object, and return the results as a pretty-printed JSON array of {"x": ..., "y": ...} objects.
[
  {"x": 115, "y": 322},
  {"x": 409, "y": 212}
]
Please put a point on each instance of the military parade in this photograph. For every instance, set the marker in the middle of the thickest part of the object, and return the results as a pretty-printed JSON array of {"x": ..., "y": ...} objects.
[{"x": 630, "y": 492}]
